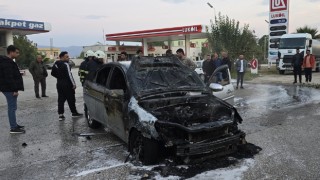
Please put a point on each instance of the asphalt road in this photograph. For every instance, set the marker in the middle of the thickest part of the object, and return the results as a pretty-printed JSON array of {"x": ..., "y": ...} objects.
[{"x": 281, "y": 120}]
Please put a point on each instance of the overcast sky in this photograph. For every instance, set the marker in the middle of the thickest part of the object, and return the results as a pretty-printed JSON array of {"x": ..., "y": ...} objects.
[{"x": 81, "y": 22}]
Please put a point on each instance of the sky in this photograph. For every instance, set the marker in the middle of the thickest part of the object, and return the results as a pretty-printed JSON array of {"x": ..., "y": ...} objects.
[{"x": 84, "y": 22}]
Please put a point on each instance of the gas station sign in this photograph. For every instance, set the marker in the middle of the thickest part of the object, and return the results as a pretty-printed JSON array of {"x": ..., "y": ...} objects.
[{"x": 278, "y": 25}]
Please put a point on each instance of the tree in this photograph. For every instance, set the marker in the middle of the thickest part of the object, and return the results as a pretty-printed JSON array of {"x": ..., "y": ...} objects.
[
  {"x": 28, "y": 51},
  {"x": 263, "y": 44},
  {"x": 227, "y": 35},
  {"x": 310, "y": 30}
]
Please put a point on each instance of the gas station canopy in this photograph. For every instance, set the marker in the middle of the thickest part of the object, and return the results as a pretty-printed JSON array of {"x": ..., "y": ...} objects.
[
  {"x": 185, "y": 33},
  {"x": 22, "y": 27},
  {"x": 163, "y": 34}
]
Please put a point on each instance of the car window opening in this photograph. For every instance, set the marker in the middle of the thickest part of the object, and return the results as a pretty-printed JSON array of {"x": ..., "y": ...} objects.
[{"x": 117, "y": 80}]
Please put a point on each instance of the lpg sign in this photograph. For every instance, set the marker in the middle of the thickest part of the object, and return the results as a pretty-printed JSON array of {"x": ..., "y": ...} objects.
[
  {"x": 278, "y": 5},
  {"x": 278, "y": 25}
]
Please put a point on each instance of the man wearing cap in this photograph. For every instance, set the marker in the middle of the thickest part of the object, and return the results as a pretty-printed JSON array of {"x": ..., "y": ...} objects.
[{"x": 83, "y": 70}]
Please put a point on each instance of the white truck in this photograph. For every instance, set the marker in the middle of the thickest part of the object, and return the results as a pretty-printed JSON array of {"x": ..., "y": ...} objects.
[{"x": 287, "y": 48}]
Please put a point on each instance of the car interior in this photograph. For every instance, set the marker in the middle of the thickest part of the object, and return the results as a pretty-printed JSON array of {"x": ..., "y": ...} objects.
[
  {"x": 117, "y": 80},
  {"x": 103, "y": 75}
]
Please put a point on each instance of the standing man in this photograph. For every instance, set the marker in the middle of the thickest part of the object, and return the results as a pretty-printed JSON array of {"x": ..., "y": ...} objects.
[
  {"x": 169, "y": 52},
  {"x": 297, "y": 61},
  {"x": 226, "y": 60},
  {"x": 208, "y": 68},
  {"x": 83, "y": 71},
  {"x": 139, "y": 53},
  {"x": 217, "y": 63},
  {"x": 39, "y": 74},
  {"x": 241, "y": 66},
  {"x": 309, "y": 62},
  {"x": 186, "y": 61},
  {"x": 94, "y": 64},
  {"x": 10, "y": 83},
  {"x": 123, "y": 56},
  {"x": 65, "y": 85}
]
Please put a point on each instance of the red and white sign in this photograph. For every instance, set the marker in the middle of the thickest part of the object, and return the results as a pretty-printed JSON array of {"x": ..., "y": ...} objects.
[
  {"x": 112, "y": 48},
  {"x": 192, "y": 29},
  {"x": 278, "y": 5},
  {"x": 254, "y": 63},
  {"x": 279, "y": 15}
]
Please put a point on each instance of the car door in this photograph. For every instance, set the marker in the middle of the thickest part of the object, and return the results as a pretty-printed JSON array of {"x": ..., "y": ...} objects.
[
  {"x": 222, "y": 77},
  {"x": 100, "y": 113},
  {"x": 115, "y": 101}
]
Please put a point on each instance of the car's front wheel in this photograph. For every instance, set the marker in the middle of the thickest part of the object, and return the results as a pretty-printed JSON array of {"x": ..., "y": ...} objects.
[
  {"x": 144, "y": 149},
  {"x": 91, "y": 122}
]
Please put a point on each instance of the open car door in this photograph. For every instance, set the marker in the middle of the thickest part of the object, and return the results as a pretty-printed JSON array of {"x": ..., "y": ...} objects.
[{"x": 220, "y": 83}]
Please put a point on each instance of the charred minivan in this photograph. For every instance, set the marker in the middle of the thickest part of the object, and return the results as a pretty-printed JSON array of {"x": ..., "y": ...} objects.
[{"x": 156, "y": 103}]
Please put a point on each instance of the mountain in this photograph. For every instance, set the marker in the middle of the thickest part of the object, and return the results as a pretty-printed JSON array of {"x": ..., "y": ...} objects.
[{"x": 73, "y": 51}]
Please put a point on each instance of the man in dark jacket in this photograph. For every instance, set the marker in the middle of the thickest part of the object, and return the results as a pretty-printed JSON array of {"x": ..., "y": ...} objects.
[
  {"x": 65, "y": 85},
  {"x": 297, "y": 61},
  {"x": 83, "y": 69},
  {"x": 39, "y": 74},
  {"x": 94, "y": 64},
  {"x": 208, "y": 68},
  {"x": 10, "y": 83},
  {"x": 225, "y": 60}
]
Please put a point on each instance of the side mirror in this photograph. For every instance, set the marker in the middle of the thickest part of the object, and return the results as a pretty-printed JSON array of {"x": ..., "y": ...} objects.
[
  {"x": 310, "y": 43},
  {"x": 216, "y": 87}
]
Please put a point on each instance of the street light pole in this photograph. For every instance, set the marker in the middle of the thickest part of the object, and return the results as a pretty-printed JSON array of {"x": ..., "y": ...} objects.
[
  {"x": 212, "y": 8},
  {"x": 265, "y": 45}
]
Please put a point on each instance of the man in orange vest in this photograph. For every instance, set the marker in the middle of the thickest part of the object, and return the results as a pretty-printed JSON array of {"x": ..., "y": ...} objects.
[{"x": 308, "y": 65}]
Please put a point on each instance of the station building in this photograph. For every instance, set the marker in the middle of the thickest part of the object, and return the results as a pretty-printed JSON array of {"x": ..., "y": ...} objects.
[{"x": 11, "y": 27}]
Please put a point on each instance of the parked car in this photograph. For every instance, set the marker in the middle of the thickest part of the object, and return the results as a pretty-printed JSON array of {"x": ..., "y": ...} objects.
[
  {"x": 49, "y": 65},
  {"x": 157, "y": 103},
  {"x": 199, "y": 69}
]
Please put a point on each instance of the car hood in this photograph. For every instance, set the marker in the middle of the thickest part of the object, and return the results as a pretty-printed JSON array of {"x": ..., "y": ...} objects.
[{"x": 150, "y": 75}]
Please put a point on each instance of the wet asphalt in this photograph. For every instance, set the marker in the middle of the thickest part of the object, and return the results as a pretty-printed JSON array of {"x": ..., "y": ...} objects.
[{"x": 281, "y": 122}]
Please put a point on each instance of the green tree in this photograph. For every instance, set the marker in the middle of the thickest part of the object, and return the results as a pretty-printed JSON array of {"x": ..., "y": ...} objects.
[
  {"x": 263, "y": 44},
  {"x": 310, "y": 30},
  {"x": 227, "y": 35},
  {"x": 28, "y": 51}
]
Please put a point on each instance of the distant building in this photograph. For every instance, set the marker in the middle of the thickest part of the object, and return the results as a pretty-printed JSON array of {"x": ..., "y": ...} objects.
[{"x": 51, "y": 53}]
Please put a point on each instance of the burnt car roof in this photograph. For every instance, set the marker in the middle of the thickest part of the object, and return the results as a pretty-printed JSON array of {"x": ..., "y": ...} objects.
[{"x": 148, "y": 75}]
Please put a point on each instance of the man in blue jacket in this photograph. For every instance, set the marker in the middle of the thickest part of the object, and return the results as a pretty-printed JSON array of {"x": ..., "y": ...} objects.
[{"x": 10, "y": 83}]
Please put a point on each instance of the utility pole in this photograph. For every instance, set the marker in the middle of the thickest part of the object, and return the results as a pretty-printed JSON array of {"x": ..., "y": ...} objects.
[{"x": 51, "y": 48}]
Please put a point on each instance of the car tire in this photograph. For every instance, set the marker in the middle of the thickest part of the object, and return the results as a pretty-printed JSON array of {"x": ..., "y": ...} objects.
[
  {"x": 91, "y": 122},
  {"x": 144, "y": 149},
  {"x": 281, "y": 71}
]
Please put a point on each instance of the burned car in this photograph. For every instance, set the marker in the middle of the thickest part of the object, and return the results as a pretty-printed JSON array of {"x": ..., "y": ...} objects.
[{"x": 156, "y": 103}]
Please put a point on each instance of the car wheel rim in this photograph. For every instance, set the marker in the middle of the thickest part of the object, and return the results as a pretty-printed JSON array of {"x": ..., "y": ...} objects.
[{"x": 89, "y": 119}]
